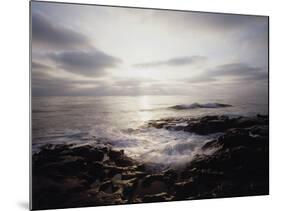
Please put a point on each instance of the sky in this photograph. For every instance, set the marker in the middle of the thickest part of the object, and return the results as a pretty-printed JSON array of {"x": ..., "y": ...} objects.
[{"x": 84, "y": 50}]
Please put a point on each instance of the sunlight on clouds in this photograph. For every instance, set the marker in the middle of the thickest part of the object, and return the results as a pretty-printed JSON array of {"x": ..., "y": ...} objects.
[{"x": 122, "y": 51}]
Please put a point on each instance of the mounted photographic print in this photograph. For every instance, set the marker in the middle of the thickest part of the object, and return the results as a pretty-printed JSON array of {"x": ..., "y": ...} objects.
[{"x": 136, "y": 105}]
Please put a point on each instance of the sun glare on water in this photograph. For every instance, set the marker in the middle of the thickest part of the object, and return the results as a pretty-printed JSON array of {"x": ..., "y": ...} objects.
[{"x": 144, "y": 104}]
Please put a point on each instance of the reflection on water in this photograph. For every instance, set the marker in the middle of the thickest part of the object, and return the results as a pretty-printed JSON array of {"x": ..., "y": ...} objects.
[{"x": 144, "y": 104}]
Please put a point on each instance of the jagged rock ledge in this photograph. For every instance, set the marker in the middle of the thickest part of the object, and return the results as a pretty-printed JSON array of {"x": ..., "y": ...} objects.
[{"x": 208, "y": 124}]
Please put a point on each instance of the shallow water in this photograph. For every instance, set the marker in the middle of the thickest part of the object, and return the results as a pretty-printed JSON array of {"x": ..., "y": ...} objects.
[{"x": 120, "y": 121}]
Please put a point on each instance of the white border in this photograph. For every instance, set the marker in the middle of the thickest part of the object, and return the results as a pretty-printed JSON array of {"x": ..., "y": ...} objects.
[{"x": 14, "y": 116}]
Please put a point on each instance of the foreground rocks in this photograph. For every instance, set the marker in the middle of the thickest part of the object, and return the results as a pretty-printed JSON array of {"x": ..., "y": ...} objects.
[
  {"x": 74, "y": 176},
  {"x": 239, "y": 165}
]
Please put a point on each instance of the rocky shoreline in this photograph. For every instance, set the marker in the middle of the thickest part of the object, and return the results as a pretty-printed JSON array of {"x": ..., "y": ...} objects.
[{"x": 85, "y": 175}]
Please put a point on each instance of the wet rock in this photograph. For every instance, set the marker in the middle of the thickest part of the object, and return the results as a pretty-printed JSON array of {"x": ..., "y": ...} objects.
[
  {"x": 113, "y": 170},
  {"x": 151, "y": 178},
  {"x": 134, "y": 174},
  {"x": 88, "y": 152},
  {"x": 157, "y": 197},
  {"x": 141, "y": 167},
  {"x": 170, "y": 176},
  {"x": 240, "y": 160},
  {"x": 261, "y": 131},
  {"x": 114, "y": 154},
  {"x": 237, "y": 137},
  {"x": 129, "y": 187},
  {"x": 208, "y": 124},
  {"x": 102, "y": 198},
  {"x": 124, "y": 161},
  {"x": 185, "y": 189},
  {"x": 106, "y": 187},
  {"x": 67, "y": 174}
]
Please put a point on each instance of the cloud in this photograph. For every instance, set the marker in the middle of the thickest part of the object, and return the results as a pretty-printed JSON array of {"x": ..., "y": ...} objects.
[
  {"x": 39, "y": 66},
  {"x": 45, "y": 84},
  {"x": 228, "y": 21},
  {"x": 132, "y": 81},
  {"x": 237, "y": 72},
  {"x": 203, "y": 21},
  {"x": 51, "y": 35},
  {"x": 71, "y": 50},
  {"x": 203, "y": 78},
  {"x": 87, "y": 63},
  {"x": 241, "y": 70},
  {"x": 177, "y": 61}
]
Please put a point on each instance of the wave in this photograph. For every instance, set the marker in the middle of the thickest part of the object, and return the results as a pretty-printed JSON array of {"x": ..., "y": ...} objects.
[{"x": 198, "y": 105}]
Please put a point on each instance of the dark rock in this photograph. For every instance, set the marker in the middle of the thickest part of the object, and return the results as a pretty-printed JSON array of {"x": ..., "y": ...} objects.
[
  {"x": 185, "y": 189},
  {"x": 151, "y": 178},
  {"x": 129, "y": 187},
  {"x": 240, "y": 160},
  {"x": 157, "y": 124},
  {"x": 261, "y": 130},
  {"x": 105, "y": 186},
  {"x": 157, "y": 197},
  {"x": 124, "y": 161},
  {"x": 141, "y": 167},
  {"x": 134, "y": 174},
  {"x": 170, "y": 176},
  {"x": 208, "y": 124},
  {"x": 235, "y": 138},
  {"x": 88, "y": 152},
  {"x": 114, "y": 154},
  {"x": 102, "y": 198}
]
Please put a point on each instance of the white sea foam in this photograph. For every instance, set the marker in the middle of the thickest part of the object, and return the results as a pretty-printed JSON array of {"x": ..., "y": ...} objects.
[{"x": 157, "y": 146}]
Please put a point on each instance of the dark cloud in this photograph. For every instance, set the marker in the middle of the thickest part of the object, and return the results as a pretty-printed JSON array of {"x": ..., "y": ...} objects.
[
  {"x": 70, "y": 57},
  {"x": 241, "y": 70},
  {"x": 51, "y": 35},
  {"x": 200, "y": 79},
  {"x": 258, "y": 76},
  {"x": 178, "y": 61},
  {"x": 238, "y": 72},
  {"x": 88, "y": 63},
  {"x": 39, "y": 66},
  {"x": 228, "y": 21},
  {"x": 45, "y": 84}
]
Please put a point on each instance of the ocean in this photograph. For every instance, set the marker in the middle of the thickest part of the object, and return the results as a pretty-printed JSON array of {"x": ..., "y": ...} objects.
[{"x": 122, "y": 123}]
